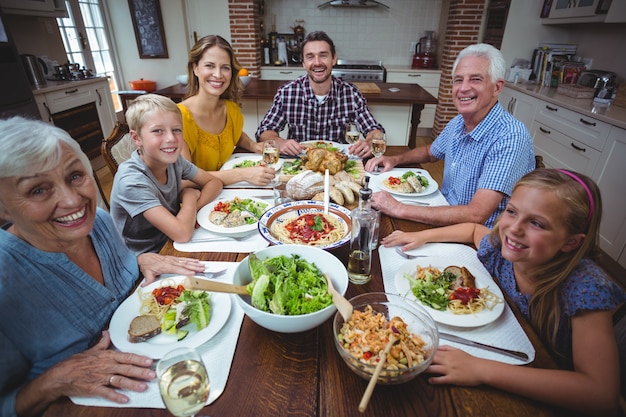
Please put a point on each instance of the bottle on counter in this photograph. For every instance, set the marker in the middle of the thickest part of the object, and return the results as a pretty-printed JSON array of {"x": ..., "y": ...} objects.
[{"x": 361, "y": 235}]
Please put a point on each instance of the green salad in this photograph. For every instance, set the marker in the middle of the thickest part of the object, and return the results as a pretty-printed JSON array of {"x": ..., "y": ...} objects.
[
  {"x": 248, "y": 163},
  {"x": 287, "y": 285},
  {"x": 422, "y": 179},
  {"x": 256, "y": 208},
  {"x": 433, "y": 290}
]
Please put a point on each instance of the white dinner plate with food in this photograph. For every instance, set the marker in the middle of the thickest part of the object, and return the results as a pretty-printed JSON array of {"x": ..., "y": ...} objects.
[
  {"x": 246, "y": 161},
  {"x": 381, "y": 181},
  {"x": 483, "y": 280},
  {"x": 159, "y": 345},
  {"x": 275, "y": 219},
  {"x": 203, "y": 216},
  {"x": 326, "y": 144}
]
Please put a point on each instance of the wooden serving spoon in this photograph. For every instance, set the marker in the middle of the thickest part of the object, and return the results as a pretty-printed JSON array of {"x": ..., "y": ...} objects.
[
  {"x": 370, "y": 387},
  {"x": 194, "y": 283},
  {"x": 343, "y": 306}
]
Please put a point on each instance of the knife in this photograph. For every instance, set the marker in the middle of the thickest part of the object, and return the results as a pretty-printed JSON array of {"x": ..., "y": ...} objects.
[
  {"x": 415, "y": 202},
  {"x": 458, "y": 339}
]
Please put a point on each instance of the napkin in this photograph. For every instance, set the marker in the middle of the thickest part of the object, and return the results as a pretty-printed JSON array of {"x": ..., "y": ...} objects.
[
  {"x": 434, "y": 199},
  {"x": 250, "y": 243},
  {"x": 217, "y": 355},
  {"x": 505, "y": 331}
]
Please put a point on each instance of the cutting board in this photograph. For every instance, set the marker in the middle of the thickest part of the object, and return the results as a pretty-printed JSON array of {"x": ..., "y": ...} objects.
[
  {"x": 367, "y": 87},
  {"x": 358, "y": 167}
]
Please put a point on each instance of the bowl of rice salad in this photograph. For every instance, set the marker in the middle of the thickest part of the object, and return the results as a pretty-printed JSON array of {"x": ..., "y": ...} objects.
[{"x": 361, "y": 340}]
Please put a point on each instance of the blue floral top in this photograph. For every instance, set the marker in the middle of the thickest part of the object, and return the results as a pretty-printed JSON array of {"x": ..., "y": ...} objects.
[{"x": 587, "y": 288}]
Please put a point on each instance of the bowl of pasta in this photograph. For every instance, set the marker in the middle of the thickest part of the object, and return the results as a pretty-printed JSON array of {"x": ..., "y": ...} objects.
[
  {"x": 361, "y": 340},
  {"x": 288, "y": 291},
  {"x": 304, "y": 223}
]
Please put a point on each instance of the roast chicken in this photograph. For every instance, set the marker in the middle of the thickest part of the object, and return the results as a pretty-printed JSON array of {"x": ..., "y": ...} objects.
[{"x": 320, "y": 159}]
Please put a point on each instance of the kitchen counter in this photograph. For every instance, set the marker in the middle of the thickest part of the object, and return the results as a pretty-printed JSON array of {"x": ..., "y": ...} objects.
[
  {"x": 59, "y": 85},
  {"x": 611, "y": 114},
  {"x": 407, "y": 94}
]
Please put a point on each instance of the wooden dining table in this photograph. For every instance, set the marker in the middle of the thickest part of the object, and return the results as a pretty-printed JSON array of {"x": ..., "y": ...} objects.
[{"x": 302, "y": 374}]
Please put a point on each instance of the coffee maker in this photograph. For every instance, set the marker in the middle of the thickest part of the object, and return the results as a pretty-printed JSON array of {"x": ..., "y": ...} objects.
[
  {"x": 603, "y": 82},
  {"x": 425, "y": 51}
]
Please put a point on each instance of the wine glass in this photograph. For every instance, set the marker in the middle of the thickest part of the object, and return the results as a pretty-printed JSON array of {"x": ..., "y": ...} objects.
[
  {"x": 183, "y": 382},
  {"x": 271, "y": 154},
  {"x": 379, "y": 146},
  {"x": 352, "y": 133}
]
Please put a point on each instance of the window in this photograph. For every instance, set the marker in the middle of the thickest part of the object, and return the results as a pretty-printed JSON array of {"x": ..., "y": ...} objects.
[{"x": 86, "y": 41}]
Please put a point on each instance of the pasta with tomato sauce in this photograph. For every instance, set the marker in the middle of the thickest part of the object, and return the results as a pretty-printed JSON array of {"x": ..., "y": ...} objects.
[{"x": 315, "y": 229}]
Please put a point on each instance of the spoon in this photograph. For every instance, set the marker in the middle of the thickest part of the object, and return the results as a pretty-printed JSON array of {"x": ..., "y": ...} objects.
[
  {"x": 343, "y": 306},
  {"x": 370, "y": 387},
  {"x": 194, "y": 283}
]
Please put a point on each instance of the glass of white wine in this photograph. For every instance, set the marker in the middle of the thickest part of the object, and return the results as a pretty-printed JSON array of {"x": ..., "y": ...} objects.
[
  {"x": 183, "y": 382},
  {"x": 379, "y": 146},
  {"x": 271, "y": 155},
  {"x": 352, "y": 133}
]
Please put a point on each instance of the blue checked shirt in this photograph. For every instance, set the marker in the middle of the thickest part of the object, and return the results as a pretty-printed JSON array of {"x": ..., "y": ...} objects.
[
  {"x": 493, "y": 156},
  {"x": 296, "y": 105}
]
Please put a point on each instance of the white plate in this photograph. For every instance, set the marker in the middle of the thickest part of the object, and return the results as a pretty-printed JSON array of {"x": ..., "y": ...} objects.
[
  {"x": 203, "y": 218},
  {"x": 230, "y": 164},
  {"x": 432, "y": 184},
  {"x": 483, "y": 279},
  {"x": 159, "y": 345}
]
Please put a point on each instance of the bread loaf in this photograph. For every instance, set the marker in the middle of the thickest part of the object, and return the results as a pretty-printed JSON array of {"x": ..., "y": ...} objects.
[
  {"x": 143, "y": 328},
  {"x": 305, "y": 185}
]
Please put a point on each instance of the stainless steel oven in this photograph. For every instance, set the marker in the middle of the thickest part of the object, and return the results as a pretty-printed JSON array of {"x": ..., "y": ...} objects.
[{"x": 360, "y": 71}]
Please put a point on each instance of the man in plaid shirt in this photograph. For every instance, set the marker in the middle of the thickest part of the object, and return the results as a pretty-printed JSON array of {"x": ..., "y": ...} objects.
[{"x": 317, "y": 106}]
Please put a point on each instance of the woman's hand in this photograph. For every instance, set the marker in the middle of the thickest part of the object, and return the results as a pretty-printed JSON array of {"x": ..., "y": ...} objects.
[
  {"x": 96, "y": 372},
  {"x": 152, "y": 265},
  {"x": 257, "y": 175}
]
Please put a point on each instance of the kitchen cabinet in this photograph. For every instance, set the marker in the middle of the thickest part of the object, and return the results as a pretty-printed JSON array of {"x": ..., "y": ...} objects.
[
  {"x": 583, "y": 11},
  {"x": 567, "y": 139},
  {"x": 520, "y": 105},
  {"x": 282, "y": 73},
  {"x": 427, "y": 79},
  {"x": 609, "y": 175},
  {"x": 43, "y": 8},
  {"x": 83, "y": 108}
]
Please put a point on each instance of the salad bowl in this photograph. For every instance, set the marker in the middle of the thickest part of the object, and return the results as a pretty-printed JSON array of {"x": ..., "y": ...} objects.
[{"x": 326, "y": 262}]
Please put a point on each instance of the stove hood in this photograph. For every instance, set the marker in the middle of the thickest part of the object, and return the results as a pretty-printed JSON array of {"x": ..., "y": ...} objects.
[{"x": 352, "y": 3}]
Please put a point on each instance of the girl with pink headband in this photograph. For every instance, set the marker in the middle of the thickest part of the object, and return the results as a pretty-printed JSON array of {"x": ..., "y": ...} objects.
[{"x": 540, "y": 252}]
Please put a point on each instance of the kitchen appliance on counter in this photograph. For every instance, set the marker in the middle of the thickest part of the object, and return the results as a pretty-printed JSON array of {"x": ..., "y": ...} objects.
[
  {"x": 33, "y": 70},
  {"x": 17, "y": 95},
  {"x": 425, "y": 51},
  {"x": 603, "y": 82},
  {"x": 360, "y": 71}
]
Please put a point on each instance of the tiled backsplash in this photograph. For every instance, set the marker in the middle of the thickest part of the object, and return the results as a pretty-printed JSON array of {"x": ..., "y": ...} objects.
[{"x": 373, "y": 33}]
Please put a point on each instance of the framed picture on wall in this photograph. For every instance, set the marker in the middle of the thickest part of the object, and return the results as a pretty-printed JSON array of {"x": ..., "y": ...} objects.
[{"x": 148, "y": 25}]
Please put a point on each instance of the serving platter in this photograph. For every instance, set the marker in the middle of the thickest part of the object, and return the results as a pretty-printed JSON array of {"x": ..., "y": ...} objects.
[
  {"x": 159, "y": 345},
  {"x": 286, "y": 212},
  {"x": 342, "y": 147},
  {"x": 203, "y": 218},
  {"x": 378, "y": 181},
  {"x": 483, "y": 280},
  {"x": 230, "y": 164}
]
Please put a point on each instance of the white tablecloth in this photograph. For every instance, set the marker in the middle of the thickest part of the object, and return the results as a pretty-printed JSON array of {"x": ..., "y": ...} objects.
[
  {"x": 504, "y": 332},
  {"x": 217, "y": 355}
]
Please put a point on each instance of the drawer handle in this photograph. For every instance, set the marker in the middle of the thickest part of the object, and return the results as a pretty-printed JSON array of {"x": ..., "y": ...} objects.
[
  {"x": 286, "y": 72},
  {"x": 99, "y": 98},
  {"x": 578, "y": 148},
  {"x": 546, "y": 131},
  {"x": 551, "y": 108},
  {"x": 414, "y": 75},
  {"x": 71, "y": 91},
  {"x": 583, "y": 121}
]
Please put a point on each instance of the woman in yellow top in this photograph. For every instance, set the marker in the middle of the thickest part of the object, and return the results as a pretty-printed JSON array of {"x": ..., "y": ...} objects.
[{"x": 212, "y": 118}]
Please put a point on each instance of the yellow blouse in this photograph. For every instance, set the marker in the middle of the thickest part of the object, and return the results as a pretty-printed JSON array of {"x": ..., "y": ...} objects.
[{"x": 210, "y": 151}]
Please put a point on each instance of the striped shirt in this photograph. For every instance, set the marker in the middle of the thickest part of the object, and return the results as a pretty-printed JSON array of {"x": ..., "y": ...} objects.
[
  {"x": 308, "y": 118},
  {"x": 493, "y": 156}
]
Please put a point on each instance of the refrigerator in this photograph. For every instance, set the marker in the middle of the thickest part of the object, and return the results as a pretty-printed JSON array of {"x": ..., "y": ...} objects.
[{"x": 16, "y": 94}]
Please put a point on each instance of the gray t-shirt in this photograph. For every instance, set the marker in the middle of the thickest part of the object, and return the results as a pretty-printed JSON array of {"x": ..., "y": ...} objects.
[{"x": 135, "y": 190}]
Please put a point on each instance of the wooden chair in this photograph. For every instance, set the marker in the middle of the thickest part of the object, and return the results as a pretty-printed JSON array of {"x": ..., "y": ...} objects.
[{"x": 118, "y": 147}]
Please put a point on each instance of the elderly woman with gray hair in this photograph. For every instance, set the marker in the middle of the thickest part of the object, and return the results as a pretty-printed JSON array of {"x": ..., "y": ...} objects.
[{"x": 64, "y": 270}]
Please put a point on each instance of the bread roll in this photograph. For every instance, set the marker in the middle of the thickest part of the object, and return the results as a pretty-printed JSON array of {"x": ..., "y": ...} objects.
[{"x": 305, "y": 185}]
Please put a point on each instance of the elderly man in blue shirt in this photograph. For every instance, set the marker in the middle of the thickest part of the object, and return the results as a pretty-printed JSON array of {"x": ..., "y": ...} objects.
[{"x": 485, "y": 149}]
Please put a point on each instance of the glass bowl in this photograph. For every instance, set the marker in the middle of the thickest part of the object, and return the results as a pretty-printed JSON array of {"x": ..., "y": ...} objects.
[{"x": 418, "y": 321}]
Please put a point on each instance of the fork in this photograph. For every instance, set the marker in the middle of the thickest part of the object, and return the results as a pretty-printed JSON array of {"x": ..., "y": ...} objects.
[
  {"x": 219, "y": 238},
  {"x": 408, "y": 255},
  {"x": 212, "y": 274}
]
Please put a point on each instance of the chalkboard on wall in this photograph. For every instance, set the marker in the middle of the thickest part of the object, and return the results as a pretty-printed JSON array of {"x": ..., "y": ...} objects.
[{"x": 148, "y": 25}]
